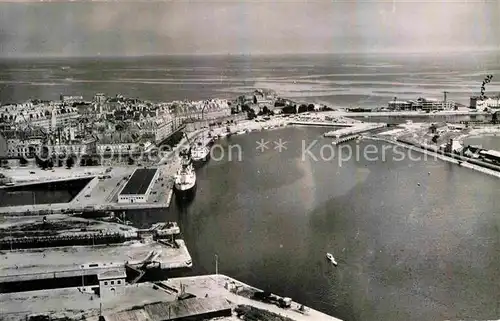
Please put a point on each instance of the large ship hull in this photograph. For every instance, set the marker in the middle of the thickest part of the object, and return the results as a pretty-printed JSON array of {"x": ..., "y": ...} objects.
[
  {"x": 199, "y": 160},
  {"x": 185, "y": 194}
]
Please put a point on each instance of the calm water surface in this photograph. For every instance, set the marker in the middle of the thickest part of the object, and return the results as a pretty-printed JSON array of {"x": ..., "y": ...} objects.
[
  {"x": 488, "y": 142},
  {"x": 335, "y": 79},
  {"x": 405, "y": 252}
]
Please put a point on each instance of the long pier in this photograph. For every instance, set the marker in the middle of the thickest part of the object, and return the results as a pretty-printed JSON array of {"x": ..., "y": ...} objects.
[
  {"x": 65, "y": 240},
  {"x": 318, "y": 123},
  {"x": 61, "y": 208},
  {"x": 84, "y": 261},
  {"x": 353, "y": 130},
  {"x": 345, "y": 139},
  {"x": 48, "y": 181}
]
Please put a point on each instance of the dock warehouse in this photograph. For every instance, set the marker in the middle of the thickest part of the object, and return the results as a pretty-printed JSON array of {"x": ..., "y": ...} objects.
[
  {"x": 139, "y": 186},
  {"x": 179, "y": 310},
  {"x": 491, "y": 155}
]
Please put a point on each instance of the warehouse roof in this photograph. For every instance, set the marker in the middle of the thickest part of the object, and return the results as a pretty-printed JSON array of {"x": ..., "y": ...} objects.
[{"x": 139, "y": 182}]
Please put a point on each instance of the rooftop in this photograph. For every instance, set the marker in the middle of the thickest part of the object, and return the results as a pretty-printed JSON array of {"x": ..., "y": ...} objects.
[
  {"x": 139, "y": 182},
  {"x": 149, "y": 301},
  {"x": 174, "y": 310},
  {"x": 42, "y": 263},
  {"x": 112, "y": 274}
]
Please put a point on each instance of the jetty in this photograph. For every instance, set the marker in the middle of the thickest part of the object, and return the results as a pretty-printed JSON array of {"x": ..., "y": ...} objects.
[
  {"x": 345, "y": 139},
  {"x": 353, "y": 131},
  {"x": 77, "y": 261},
  {"x": 318, "y": 123}
]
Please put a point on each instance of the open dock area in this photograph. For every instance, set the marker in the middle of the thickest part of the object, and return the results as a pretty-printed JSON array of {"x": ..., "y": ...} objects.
[
  {"x": 57, "y": 208},
  {"x": 206, "y": 297},
  {"x": 75, "y": 261},
  {"x": 240, "y": 293},
  {"x": 101, "y": 194},
  {"x": 354, "y": 129},
  {"x": 59, "y": 225},
  {"x": 25, "y": 176}
]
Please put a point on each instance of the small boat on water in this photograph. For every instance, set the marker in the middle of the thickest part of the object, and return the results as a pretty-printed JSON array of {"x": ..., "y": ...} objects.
[
  {"x": 239, "y": 132},
  {"x": 330, "y": 258}
]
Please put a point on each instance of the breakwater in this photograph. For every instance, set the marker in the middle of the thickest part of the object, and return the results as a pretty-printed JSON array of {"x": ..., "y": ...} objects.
[
  {"x": 354, "y": 130},
  {"x": 345, "y": 139},
  {"x": 462, "y": 161},
  {"x": 319, "y": 124},
  {"x": 460, "y": 158}
]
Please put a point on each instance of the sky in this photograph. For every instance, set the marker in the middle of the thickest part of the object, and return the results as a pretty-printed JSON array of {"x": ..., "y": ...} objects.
[{"x": 134, "y": 28}]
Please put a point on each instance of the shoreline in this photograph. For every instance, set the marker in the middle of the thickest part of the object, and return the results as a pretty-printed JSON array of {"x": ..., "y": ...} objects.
[
  {"x": 436, "y": 155},
  {"x": 481, "y": 132}
]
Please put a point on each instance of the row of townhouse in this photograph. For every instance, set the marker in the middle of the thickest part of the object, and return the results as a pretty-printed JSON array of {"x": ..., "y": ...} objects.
[
  {"x": 31, "y": 147},
  {"x": 48, "y": 117}
]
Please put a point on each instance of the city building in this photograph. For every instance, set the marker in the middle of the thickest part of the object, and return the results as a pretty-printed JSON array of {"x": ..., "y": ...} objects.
[
  {"x": 3, "y": 146},
  {"x": 163, "y": 129},
  {"x": 401, "y": 105},
  {"x": 100, "y": 98},
  {"x": 111, "y": 282},
  {"x": 71, "y": 99},
  {"x": 46, "y": 116},
  {"x": 207, "y": 109},
  {"x": 438, "y": 128},
  {"x": 116, "y": 148},
  {"x": 190, "y": 308},
  {"x": 139, "y": 186},
  {"x": 491, "y": 102},
  {"x": 453, "y": 146},
  {"x": 424, "y": 104}
]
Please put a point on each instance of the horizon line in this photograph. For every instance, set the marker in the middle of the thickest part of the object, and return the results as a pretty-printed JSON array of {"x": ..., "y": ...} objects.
[{"x": 257, "y": 54}]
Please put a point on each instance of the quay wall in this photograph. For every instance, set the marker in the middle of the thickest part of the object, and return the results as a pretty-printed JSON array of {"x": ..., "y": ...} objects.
[
  {"x": 319, "y": 124},
  {"x": 355, "y": 130},
  {"x": 453, "y": 158},
  {"x": 452, "y": 155},
  {"x": 345, "y": 139},
  {"x": 410, "y": 114},
  {"x": 53, "y": 275},
  {"x": 69, "y": 240},
  {"x": 60, "y": 208}
]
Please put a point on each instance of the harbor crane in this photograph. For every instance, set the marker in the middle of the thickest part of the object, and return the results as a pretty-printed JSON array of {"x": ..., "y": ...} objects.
[{"x": 445, "y": 93}]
